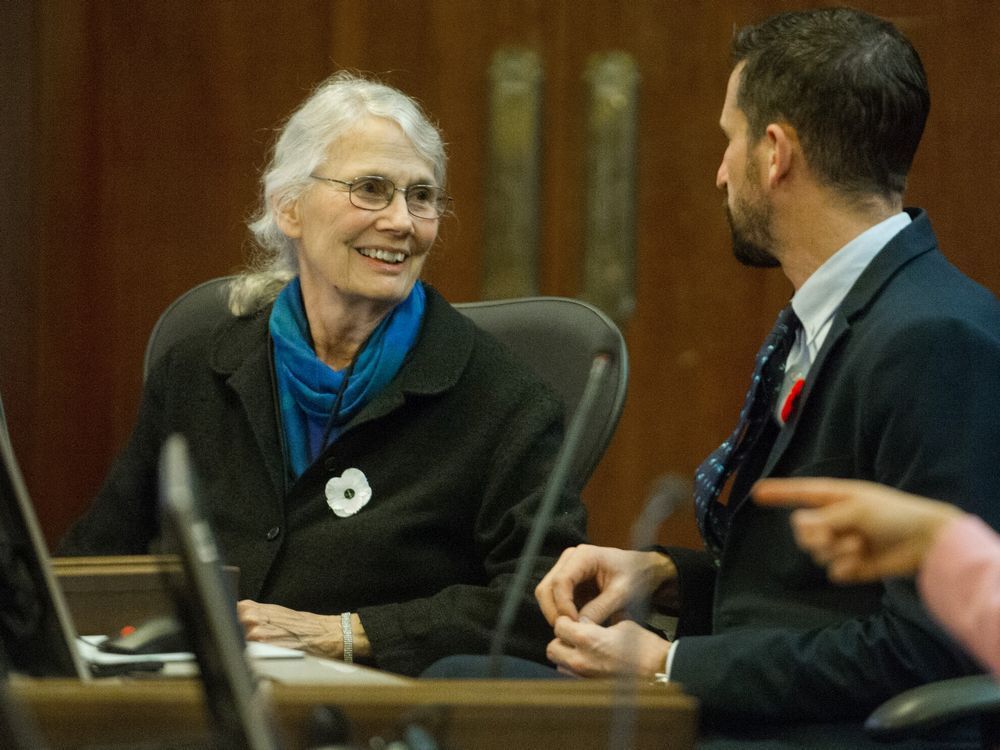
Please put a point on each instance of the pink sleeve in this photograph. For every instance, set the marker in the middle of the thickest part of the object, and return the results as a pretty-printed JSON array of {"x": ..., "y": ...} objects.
[{"x": 960, "y": 584}]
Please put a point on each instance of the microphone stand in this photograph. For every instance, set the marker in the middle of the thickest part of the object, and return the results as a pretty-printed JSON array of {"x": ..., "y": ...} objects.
[
  {"x": 557, "y": 483},
  {"x": 668, "y": 493}
]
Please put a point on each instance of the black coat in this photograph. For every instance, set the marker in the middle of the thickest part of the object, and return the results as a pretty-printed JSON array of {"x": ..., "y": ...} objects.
[
  {"x": 905, "y": 392},
  {"x": 456, "y": 449}
]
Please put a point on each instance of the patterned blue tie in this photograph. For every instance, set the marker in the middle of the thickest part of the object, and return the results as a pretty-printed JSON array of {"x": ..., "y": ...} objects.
[{"x": 714, "y": 472}]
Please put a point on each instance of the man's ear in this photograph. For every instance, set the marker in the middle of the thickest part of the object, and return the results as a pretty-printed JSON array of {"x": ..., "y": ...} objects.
[
  {"x": 783, "y": 144},
  {"x": 286, "y": 216}
]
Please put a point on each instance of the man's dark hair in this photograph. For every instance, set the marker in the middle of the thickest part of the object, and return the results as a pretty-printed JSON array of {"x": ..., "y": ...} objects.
[{"x": 851, "y": 85}]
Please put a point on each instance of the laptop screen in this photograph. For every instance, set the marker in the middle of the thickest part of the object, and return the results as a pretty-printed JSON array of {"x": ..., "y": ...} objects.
[{"x": 38, "y": 637}]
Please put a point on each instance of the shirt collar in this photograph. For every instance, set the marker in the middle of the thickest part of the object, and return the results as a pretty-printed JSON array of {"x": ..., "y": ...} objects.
[{"x": 819, "y": 297}]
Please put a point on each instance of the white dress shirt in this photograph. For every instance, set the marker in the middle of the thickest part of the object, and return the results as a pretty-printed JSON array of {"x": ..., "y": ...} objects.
[{"x": 820, "y": 296}]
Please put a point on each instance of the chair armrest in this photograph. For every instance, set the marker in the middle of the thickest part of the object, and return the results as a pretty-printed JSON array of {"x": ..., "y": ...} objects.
[{"x": 923, "y": 708}]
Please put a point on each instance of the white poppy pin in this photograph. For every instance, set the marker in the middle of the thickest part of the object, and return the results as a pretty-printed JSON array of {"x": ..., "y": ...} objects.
[{"x": 348, "y": 493}]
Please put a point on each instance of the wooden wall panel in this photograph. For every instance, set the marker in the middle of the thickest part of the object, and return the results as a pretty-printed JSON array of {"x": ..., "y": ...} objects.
[
  {"x": 18, "y": 313},
  {"x": 152, "y": 120}
]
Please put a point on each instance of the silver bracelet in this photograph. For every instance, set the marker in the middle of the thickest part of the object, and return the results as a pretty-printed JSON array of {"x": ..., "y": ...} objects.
[{"x": 348, "y": 634}]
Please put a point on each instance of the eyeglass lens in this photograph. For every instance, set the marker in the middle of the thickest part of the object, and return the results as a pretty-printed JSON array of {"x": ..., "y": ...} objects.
[{"x": 424, "y": 201}]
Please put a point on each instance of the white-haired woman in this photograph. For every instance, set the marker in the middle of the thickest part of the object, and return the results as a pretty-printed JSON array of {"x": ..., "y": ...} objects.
[{"x": 370, "y": 460}]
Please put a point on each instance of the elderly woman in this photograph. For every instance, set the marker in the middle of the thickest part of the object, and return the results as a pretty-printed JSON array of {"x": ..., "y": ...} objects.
[{"x": 370, "y": 460}]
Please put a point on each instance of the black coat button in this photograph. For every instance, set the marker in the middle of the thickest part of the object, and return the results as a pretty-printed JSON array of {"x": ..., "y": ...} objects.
[{"x": 273, "y": 533}]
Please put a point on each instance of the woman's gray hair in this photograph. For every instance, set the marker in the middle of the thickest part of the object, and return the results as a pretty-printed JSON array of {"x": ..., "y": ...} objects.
[{"x": 334, "y": 107}]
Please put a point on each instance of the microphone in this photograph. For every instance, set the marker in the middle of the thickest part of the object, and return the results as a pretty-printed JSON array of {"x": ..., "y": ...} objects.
[
  {"x": 669, "y": 492},
  {"x": 599, "y": 370},
  {"x": 240, "y": 707}
]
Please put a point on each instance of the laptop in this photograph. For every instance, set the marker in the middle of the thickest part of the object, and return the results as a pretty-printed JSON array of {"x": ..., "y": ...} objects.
[
  {"x": 37, "y": 634},
  {"x": 39, "y": 638}
]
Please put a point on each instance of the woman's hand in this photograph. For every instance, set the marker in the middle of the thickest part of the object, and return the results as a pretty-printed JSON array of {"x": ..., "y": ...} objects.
[
  {"x": 319, "y": 635},
  {"x": 860, "y": 531}
]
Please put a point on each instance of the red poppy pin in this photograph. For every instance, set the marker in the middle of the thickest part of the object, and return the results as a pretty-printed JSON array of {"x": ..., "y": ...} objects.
[{"x": 791, "y": 400}]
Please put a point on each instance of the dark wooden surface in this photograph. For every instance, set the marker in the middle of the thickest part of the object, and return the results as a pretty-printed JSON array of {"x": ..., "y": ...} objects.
[{"x": 480, "y": 714}]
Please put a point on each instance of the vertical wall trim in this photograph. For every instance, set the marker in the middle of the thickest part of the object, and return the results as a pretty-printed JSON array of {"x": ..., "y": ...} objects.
[
  {"x": 513, "y": 175},
  {"x": 612, "y": 81}
]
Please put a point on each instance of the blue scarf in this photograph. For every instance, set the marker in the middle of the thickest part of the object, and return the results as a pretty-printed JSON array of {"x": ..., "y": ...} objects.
[{"x": 316, "y": 401}]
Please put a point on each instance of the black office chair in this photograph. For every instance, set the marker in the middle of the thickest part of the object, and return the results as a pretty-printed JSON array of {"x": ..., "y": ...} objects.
[
  {"x": 928, "y": 707},
  {"x": 557, "y": 336}
]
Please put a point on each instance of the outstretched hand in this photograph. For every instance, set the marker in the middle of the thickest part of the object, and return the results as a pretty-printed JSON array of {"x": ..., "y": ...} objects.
[{"x": 860, "y": 531}]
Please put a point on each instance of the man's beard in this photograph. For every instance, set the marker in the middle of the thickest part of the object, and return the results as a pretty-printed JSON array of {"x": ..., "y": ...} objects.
[{"x": 752, "y": 236}]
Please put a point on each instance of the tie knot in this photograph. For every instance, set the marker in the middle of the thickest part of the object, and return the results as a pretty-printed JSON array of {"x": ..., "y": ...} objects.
[
  {"x": 783, "y": 333},
  {"x": 787, "y": 319},
  {"x": 772, "y": 355}
]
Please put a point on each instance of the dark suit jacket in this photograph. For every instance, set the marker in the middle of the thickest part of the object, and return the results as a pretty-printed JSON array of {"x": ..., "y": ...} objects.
[
  {"x": 456, "y": 449},
  {"x": 905, "y": 392}
]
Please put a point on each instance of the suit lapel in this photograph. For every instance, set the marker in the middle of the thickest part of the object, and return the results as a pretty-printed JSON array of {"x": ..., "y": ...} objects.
[
  {"x": 838, "y": 330},
  {"x": 916, "y": 239}
]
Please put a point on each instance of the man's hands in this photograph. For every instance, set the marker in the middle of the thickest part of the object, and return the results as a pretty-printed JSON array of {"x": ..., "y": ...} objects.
[
  {"x": 588, "y": 650},
  {"x": 590, "y": 586}
]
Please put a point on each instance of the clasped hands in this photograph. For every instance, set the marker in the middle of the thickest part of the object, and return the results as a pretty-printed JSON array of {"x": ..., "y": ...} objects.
[{"x": 586, "y": 596}]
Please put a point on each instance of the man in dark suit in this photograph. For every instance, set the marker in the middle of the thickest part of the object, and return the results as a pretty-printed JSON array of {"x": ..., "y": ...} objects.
[{"x": 892, "y": 376}]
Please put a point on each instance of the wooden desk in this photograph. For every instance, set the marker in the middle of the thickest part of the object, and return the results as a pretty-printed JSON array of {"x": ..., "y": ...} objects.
[
  {"x": 105, "y": 593},
  {"x": 477, "y": 714}
]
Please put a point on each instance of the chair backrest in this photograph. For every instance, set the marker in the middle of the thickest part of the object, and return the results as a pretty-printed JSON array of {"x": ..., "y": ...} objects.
[
  {"x": 195, "y": 311},
  {"x": 557, "y": 336}
]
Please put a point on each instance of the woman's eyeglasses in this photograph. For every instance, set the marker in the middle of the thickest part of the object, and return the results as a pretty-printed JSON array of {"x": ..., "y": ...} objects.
[{"x": 374, "y": 193}]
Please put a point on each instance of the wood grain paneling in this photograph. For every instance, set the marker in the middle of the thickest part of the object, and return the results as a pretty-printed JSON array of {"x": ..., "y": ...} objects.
[
  {"x": 150, "y": 122},
  {"x": 18, "y": 297}
]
